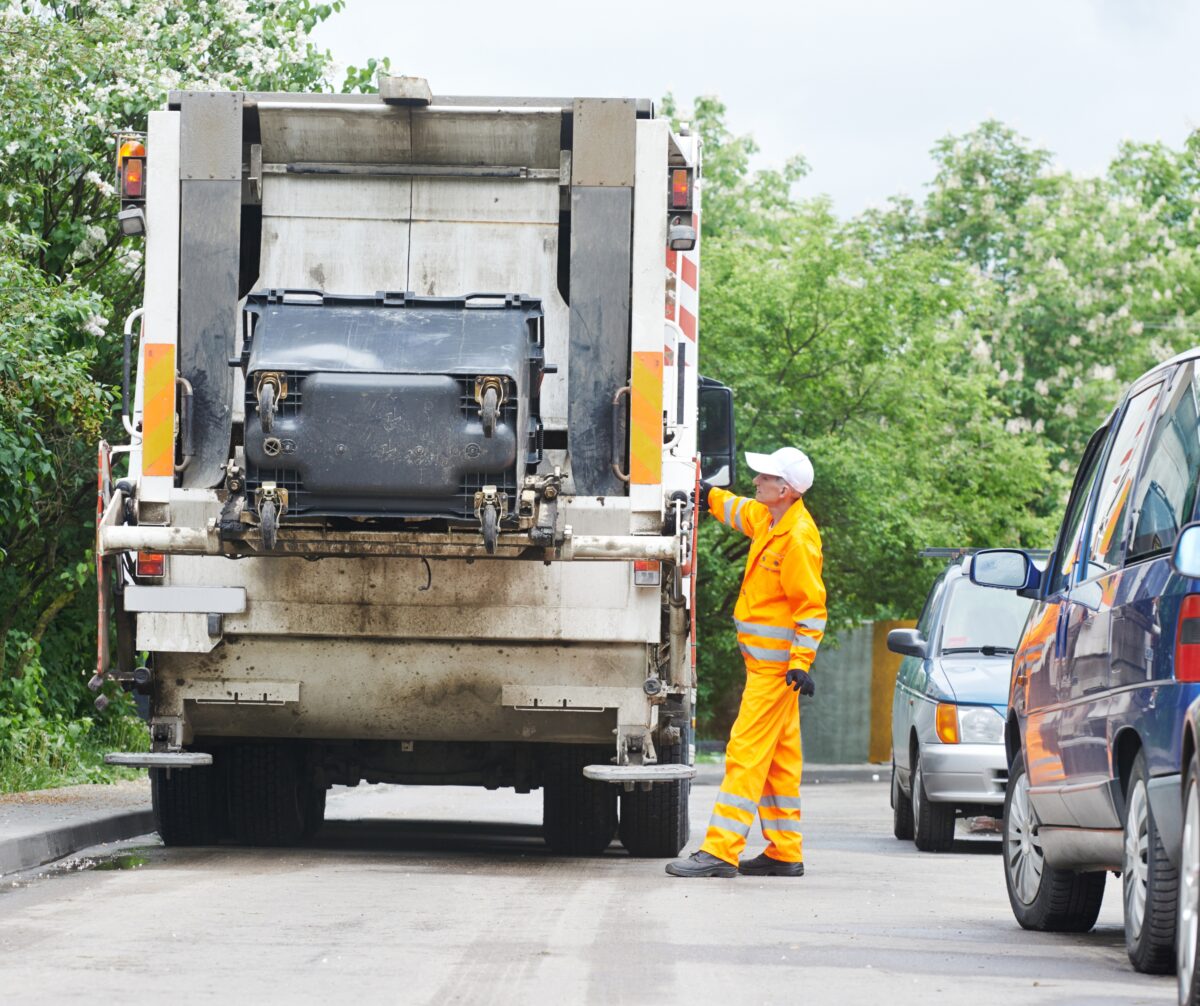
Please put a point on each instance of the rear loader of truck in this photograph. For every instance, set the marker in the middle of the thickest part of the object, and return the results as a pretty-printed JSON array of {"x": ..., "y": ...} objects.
[{"x": 415, "y": 427}]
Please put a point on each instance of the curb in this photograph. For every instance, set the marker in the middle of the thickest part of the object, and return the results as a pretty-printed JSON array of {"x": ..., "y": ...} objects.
[
  {"x": 814, "y": 775},
  {"x": 26, "y": 852}
]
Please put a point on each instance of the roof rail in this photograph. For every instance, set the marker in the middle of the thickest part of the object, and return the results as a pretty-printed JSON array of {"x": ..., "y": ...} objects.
[{"x": 958, "y": 553}]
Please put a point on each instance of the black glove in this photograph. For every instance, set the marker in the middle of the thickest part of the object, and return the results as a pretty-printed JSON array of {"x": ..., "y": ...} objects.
[
  {"x": 702, "y": 499},
  {"x": 801, "y": 681}
]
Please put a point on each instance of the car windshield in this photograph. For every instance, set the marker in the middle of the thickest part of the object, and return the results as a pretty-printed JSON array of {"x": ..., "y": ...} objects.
[{"x": 982, "y": 619}]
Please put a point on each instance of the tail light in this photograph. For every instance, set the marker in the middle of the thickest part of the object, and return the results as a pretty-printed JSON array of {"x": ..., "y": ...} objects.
[
  {"x": 1187, "y": 640},
  {"x": 150, "y": 564},
  {"x": 131, "y": 166},
  {"x": 681, "y": 189},
  {"x": 646, "y": 573},
  {"x": 946, "y": 722}
]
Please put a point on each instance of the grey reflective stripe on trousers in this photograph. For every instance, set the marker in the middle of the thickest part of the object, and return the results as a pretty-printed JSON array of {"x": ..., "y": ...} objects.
[
  {"x": 765, "y": 653},
  {"x": 733, "y": 800},
  {"x": 811, "y": 623},
  {"x": 766, "y": 631},
  {"x": 729, "y": 824},
  {"x": 780, "y": 824},
  {"x": 781, "y": 802}
]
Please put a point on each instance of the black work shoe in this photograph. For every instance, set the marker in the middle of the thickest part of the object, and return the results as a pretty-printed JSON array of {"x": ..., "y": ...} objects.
[
  {"x": 763, "y": 865},
  {"x": 701, "y": 864}
]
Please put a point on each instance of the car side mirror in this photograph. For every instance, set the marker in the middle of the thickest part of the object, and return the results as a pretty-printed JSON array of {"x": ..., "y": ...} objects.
[
  {"x": 717, "y": 437},
  {"x": 1005, "y": 568},
  {"x": 1186, "y": 555},
  {"x": 907, "y": 642}
]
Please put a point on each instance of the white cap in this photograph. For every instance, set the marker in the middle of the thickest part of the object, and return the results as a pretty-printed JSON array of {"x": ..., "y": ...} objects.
[{"x": 787, "y": 463}]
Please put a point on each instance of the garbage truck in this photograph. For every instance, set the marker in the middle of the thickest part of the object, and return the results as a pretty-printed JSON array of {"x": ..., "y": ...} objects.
[{"x": 414, "y": 429}]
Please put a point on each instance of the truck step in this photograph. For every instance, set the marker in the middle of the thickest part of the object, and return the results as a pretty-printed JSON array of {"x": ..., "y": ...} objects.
[
  {"x": 639, "y": 773},
  {"x": 159, "y": 759}
]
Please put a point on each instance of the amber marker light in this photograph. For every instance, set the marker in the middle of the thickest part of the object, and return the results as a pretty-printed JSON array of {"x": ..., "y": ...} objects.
[{"x": 947, "y": 722}]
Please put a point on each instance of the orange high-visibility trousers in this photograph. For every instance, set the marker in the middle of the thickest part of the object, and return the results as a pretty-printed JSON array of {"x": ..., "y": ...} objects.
[{"x": 763, "y": 763}]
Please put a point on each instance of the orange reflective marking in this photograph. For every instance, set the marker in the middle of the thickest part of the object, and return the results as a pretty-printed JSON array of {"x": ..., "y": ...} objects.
[
  {"x": 645, "y": 419},
  {"x": 158, "y": 410}
]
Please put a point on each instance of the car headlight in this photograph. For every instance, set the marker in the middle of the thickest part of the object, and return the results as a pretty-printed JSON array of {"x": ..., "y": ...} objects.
[{"x": 980, "y": 725}]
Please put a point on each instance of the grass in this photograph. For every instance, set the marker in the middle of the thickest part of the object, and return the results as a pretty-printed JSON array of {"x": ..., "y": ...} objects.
[{"x": 48, "y": 753}]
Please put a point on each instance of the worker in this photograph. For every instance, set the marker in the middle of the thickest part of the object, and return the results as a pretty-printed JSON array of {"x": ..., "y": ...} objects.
[{"x": 780, "y": 620}]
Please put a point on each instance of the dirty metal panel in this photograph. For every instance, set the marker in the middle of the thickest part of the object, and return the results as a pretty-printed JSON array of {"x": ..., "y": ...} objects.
[
  {"x": 346, "y": 198},
  {"x": 310, "y": 254},
  {"x": 174, "y": 632},
  {"x": 490, "y": 200},
  {"x": 210, "y": 225},
  {"x": 421, "y": 690},
  {"x": 525, "y": 138},
  {"x": 603, "y": 144},
  {"x": 240, "y": 691},
  {"x": 599, "y": 332},
  {"x": 630, "y": 704},
  {"x": 363, "y": 134},
  {"x": 211, "y": 140}
]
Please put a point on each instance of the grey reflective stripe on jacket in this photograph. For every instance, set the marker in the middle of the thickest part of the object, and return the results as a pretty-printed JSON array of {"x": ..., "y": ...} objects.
[
  {"x": 766, "y": 653},
  {"x": 817, "y": 624},
  {"x": 733, "y": 800},
  {"x": 766, "y": 631},
  {"x": 729, "y": 824},
  {"x": 803, "y": 642}
]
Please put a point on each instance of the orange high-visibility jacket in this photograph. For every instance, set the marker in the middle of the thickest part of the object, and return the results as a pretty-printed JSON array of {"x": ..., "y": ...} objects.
[{"x": 780, "y": 613}]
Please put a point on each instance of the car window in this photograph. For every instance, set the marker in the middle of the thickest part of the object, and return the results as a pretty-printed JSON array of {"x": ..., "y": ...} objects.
[
  {"x": 929, "y": 612},
  {"x": 1106, "y": 536},
  {"x": 1166, "y": 491},
  {"x": 982, "y": 616},
  {"x": 1072, "y": 529}
]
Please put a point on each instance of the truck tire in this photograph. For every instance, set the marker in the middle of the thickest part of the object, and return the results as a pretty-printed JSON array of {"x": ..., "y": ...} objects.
[
  {"x": 655, "y": 823},
  {"x": 933, "y": 823},
  {"x": 902, "y": 811},
  {"x": 1149, "y": 882},
  {"x": 579, "y": 815},
  {"x": 1044, "y": 898},
  {"x": 268, "y": 799},
  {"x": 185, "y": 811}
]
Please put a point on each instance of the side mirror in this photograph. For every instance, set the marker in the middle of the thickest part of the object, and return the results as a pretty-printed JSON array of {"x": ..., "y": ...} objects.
[
  {"x": 717, "y": 438},
  {"x": 908, "y": 642},
  {"x": 1006, "y": 568},
  {"x": 1186, "y": 556}
]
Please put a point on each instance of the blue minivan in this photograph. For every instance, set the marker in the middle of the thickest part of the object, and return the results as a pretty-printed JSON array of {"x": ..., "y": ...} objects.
[{"x": 1107, "y": 665}]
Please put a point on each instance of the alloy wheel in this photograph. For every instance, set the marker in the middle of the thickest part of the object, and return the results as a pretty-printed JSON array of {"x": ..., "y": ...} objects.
[
  {"x": 1022, "y": 848},
  {"x": 1137, "y": 854},
  {"x": 1189, "y": 891}
]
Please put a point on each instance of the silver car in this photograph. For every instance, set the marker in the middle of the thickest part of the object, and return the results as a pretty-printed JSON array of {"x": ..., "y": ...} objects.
[{"x": 948, "y": 710}]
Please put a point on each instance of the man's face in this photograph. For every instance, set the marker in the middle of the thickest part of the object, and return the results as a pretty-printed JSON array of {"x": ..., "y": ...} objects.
[{"x": 770, "y": 489}]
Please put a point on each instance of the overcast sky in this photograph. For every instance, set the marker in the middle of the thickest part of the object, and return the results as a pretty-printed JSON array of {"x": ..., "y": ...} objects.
[{"x": 861, "y": 88}]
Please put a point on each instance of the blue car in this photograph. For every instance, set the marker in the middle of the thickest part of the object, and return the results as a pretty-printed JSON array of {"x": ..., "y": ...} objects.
[{"x": 1103, "y": 676}]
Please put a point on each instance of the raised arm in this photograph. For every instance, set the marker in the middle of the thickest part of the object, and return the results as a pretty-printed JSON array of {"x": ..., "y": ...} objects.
[{"x": 738, "y": 512}]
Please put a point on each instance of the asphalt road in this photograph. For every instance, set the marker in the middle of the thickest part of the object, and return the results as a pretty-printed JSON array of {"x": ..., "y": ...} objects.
[{"x": 448, "y": 896}]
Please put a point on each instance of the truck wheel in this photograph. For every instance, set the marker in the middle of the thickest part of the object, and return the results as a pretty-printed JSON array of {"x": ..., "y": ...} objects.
[
  {"x": 579, "y": 816},
  {"x": 185, "y": 811},
  {"x": 268, "y": 796},
  {"x": 655, "y": 823},
  {"x": 1149, "y": 882},
  {"x": 1045, "y": 898},
  {"x": 902, "y": 810},
  {"x": 933, "y": 823}
]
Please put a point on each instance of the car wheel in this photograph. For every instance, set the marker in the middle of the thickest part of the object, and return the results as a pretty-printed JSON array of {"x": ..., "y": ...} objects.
[
  {"x": 902, "y": 811},
  {"x": 933, "y": 823},
  {"x": 1042, "y": 897},
  {"x": 1149, "y": 882},
  {"x": 1187, "y": 934}
]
